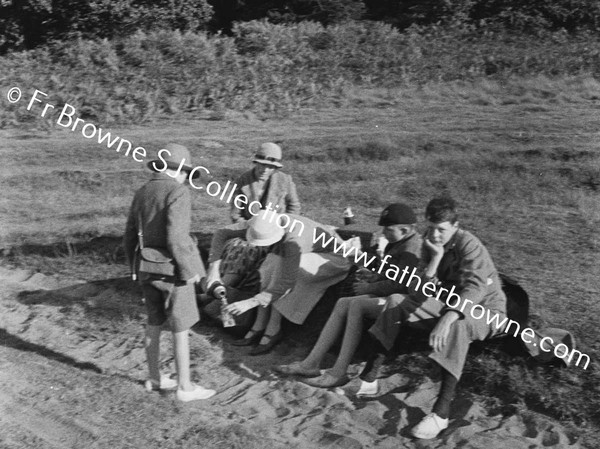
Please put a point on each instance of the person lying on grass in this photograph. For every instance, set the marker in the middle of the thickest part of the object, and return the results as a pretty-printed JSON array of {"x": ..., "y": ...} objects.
[
  {"x": 403, "y": 250},
  {"x": 299, "y": 266},
  {"x": 456, "y": 259}
]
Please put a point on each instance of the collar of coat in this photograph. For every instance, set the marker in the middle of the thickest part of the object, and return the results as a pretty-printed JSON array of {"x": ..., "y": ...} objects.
[{"x": 453, "y": 241}]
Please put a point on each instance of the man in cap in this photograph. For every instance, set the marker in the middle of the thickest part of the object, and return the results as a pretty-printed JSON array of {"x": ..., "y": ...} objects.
[
  {"x": 403, "y": 250},
  {"x": 300, "y": 264},
  {"x": 267, "y": 184},
  {"x": 159, "y": 219}
]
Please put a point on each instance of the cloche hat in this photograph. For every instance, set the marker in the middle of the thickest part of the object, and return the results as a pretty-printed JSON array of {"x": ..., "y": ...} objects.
[
  {"x": 269, "y": 153},
  {"x": 263, "y": 232}
]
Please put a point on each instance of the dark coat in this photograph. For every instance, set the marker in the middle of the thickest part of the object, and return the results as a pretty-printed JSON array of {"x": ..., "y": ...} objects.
[
  {"x": 467, "y": 265},
  {"x": 405, "y": 253},
  {"x": 164, "y": 208}
]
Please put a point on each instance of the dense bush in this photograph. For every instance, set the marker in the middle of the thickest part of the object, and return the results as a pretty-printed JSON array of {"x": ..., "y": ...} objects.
[
  {"x": 531, "y": 16},
  {"x": 28, "y": 23},
  {"x": 267, "y": 67}
]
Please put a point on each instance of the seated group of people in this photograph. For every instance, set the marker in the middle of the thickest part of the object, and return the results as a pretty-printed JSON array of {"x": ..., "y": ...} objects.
[{"x": 282, "y": 271}]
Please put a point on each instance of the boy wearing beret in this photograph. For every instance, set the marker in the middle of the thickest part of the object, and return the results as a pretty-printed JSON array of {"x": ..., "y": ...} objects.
[
  {"x": 403, "y": 250},
  {"x": 465, "y": 278}
]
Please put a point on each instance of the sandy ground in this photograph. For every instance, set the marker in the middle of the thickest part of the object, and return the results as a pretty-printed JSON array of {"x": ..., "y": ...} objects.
[
  {"x": 72, "y": 367},
  {"x": 71, "y": 356}
]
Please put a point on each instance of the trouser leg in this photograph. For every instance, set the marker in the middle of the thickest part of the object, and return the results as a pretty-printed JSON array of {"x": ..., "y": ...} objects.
[
  {"x": 387, "y": 324},
  {"x": 453, "y": 355}
]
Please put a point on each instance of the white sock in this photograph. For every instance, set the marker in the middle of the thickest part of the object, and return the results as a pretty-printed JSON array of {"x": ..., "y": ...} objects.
[{"x": 368, "y": 388}]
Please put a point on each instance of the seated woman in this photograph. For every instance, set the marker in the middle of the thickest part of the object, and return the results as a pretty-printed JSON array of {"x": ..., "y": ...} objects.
[
  {"x": 460, "y": 279},
  {"x": 299, "y": 266},
  {"x": 265, "y": 185},
  {"x": 403, "y": 250}
]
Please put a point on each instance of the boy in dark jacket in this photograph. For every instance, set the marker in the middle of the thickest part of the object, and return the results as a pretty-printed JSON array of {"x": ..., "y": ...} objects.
[
  {"x": 455, "y": 296},
  {"x": 161, "y": 212},
  {"x": 403, "y": 251}
]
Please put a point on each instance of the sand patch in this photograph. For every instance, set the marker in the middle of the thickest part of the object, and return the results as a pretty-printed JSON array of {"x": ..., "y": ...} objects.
[{"x": 98, "y": 326}]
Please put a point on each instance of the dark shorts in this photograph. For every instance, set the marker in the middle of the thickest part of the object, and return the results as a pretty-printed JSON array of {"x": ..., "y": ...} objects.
[{"x": 174, "y": 303}]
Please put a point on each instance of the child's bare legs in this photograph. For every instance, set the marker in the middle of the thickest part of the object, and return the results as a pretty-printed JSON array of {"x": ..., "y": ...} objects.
[
  {"x": 152, "y": 346},
  {"x": 273, "y": 326},
  {"x": 260, "y": 322},
  {"x": 329, "y": 334},
  {"x": 360, "y": 307},
  {"x": 181, "y": 348},
  {"x": 348, "y": 312}
]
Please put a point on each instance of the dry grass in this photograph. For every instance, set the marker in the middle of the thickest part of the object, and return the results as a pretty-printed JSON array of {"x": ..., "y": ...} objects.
[{"x": 521, "y": 158}]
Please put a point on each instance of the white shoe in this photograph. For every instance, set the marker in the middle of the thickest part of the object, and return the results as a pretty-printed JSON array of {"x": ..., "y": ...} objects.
[
  {"x": 368, "y": 388},
  {"x": 197, "y": 393},
  {"x": 429, "y": 427},
  {"x": 166, "y": 383}
]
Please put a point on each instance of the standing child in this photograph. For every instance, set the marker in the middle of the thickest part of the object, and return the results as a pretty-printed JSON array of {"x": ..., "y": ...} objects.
[{"x": 159, "y": 220}]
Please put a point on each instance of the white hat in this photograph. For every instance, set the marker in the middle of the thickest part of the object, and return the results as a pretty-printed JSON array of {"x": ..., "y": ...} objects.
[
  {"x": 263, "y": 232},
  {"x": 269, "y": 154}
]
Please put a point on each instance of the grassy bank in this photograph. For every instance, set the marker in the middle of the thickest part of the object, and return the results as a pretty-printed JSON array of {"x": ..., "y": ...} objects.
[
  {"x": 269, "y": 68},
  {"x": 366, "y": 115},
  {"x": 519, "y": 155}
]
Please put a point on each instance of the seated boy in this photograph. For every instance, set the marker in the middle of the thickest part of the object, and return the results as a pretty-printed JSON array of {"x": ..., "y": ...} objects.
[
  {"x": 458, "y": 289},
  {"x": 404, "y": 248}
]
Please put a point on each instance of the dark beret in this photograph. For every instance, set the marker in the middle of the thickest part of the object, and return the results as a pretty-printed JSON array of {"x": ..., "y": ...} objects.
[{"x": 397, "y": 213}]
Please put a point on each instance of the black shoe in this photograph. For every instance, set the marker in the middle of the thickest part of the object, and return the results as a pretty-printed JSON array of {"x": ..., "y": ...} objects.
[
  {"x": 272, "y": 340},
  {"x": 249, "y": 341}
]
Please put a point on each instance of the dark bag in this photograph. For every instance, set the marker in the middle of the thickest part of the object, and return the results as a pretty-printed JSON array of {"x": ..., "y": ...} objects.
[
  {"x": 517, "y": 300},
  {"x": 156, "y": 261},
  {"x": 152, "y": 260}
]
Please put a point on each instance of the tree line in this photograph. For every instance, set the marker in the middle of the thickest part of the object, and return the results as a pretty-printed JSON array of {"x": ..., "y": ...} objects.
[{"x": 25, "y": 24}]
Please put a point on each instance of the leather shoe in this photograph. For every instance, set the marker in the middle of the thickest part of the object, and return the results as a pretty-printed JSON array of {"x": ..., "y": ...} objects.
[
  {"x": 326, "y": 380},
  {"x": 249, "y": 341},
  {"x": 296, "y": 369},
  {"x": 272, "y": 340}
]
